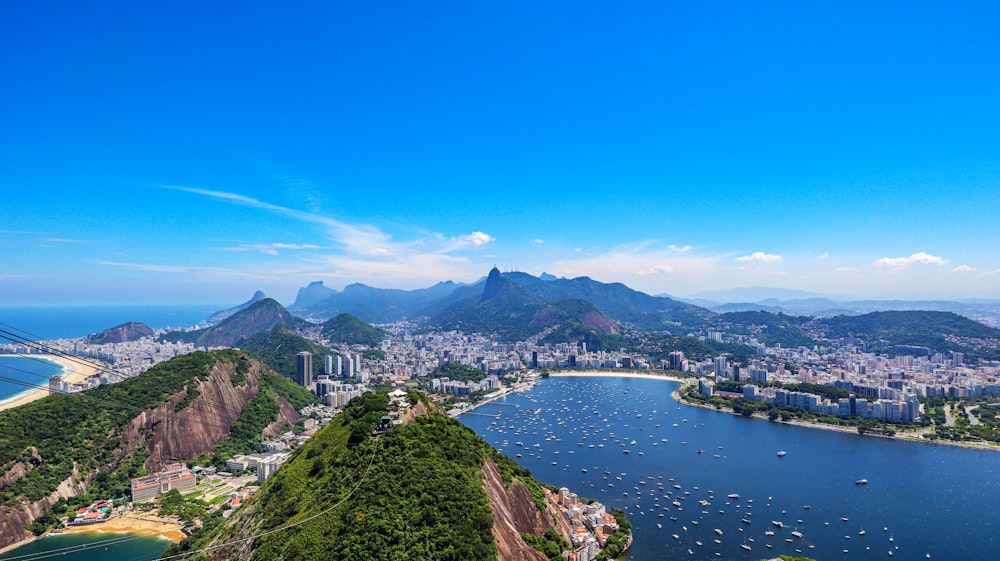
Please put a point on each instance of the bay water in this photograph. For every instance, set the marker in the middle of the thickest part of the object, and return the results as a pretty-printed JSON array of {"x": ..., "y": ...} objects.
[{"x": 920, "y": 498}]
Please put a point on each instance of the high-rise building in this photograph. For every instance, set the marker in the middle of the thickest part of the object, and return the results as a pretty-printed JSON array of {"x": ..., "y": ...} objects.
[
  {"x": 348, "y": 366},
  {"x": 676, "y": 360},
  {"x": 328, "y": 366},
  {"x": 304, "y": 368},
  {"x": 721, "y": 366}
]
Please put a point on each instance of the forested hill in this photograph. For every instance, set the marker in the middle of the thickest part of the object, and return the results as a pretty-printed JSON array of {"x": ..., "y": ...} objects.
[
  {"x": 938, "y": 331},
  {"x": 345, "y": 328},
  {"x": 62, "y": 446},
  {"x": 421, "y": 491}
]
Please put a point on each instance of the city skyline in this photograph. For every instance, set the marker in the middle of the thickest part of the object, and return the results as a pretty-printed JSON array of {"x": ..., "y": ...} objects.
[{"x": 174, "y": 154}]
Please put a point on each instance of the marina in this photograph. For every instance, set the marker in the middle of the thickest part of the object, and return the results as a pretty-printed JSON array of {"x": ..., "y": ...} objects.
[{"x": 691, "y": 505}]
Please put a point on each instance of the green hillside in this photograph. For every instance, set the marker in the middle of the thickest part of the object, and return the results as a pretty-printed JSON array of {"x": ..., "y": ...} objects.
[
  {"x": 277, "y": 349},
  {"x": 938, "y": 331},
  {"x": 413, "y": 493},
  {"x": 345, "y": 328}
]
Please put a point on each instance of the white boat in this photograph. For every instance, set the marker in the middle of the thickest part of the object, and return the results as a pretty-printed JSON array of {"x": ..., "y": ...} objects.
[
  {"x": 782, "y": 453},
  {"x": 861, "y": 482}
]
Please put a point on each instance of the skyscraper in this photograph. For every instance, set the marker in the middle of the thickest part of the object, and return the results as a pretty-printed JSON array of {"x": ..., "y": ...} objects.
[{"x": 304, "y": 368}]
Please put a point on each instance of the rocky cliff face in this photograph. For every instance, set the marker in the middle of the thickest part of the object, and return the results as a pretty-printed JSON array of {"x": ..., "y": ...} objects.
[
  {"x": 514, "y": 513},
  {"x": 169, "y": 435},
  {"x": 197, "y": 428}
]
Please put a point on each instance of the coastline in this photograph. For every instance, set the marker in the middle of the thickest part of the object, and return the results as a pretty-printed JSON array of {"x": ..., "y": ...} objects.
[
  {"x": 73, "y": 373},
  {"x": 612, "y": 374},
  {"x": 130, "y": 524},
  {"x": 903, "y": 437}
]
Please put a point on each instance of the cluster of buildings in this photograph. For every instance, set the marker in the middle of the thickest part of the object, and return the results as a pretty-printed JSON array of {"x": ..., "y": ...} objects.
[
  {"x": 459, "y": 388},
  {"x": 590, "y": 524},
  {"x": 172, "y": 476},
  {"x": 98, "y": 511},
  {"x": 265, "y": 463}
]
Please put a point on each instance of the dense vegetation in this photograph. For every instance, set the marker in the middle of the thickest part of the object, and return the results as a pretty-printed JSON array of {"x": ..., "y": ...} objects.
[
  {"x": 260, "y": 316},
  {"x": 65, "y": 428},
  {"x": 659, "y": 345},
  {"x": 245, "y": 434},
  {"x": 458, "y": 372},
  {"x": 578, "y": 332},
  {"x": 345, "y": 328},
  {"x": 422, "y": 497},
  {"x": 768, "y": 328},
  {"x": 277, "y": 349},
  {"x": 938, "y": 331},
  {"x": 54, "y": 433}
]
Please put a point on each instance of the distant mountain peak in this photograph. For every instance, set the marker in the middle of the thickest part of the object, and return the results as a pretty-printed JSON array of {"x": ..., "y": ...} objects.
[
  {"x": 494, "y": 282},
  {"x": 547, "y": 277},
  {"x": 223, "y": 314}
]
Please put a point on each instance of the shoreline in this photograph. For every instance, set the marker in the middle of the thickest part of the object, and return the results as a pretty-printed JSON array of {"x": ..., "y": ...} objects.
[
  {"x": 902, "y": 437},
  {"x": 613, "y": 374},
  {"x": 72, "y": 372},
  {"x": 126, "y": 524}
]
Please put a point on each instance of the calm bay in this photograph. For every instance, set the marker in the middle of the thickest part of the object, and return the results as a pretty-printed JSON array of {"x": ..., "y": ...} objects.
[{"x": 920, "y": 498}]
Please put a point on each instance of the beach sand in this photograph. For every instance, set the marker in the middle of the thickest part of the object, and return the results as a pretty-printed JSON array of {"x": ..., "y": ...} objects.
[
  {"x": 75, "y": 372},
  {"x": 134, "y": 524},
  {"x": 613, "y": 374}
]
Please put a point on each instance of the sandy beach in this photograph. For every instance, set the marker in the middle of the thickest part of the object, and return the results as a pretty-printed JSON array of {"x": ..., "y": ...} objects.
[
  {"x": 613, "y": 374},
  {"x": 134, "y": 524},
  {"x": 74, "y": 373}
]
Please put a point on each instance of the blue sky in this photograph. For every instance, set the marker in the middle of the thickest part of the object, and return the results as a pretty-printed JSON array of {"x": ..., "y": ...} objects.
[{"x": 173, "y": 152}]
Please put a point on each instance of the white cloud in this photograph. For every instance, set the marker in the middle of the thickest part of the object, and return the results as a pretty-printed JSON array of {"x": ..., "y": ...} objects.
[
  {"x": 578, "y": 250},
  {"x": 826, "y": 255},
  {"x": 478, "y": 238},
  {"x": 538, "y": 241},
  {"x": 761, "y": 257},
  {"x": 963, "y": 269},
  {"x": 680, "y": 249},
  {"x": 919, "y": 257}
]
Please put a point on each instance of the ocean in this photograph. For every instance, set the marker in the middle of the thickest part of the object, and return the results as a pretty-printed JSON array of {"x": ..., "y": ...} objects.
[
  {"x": 90, "y": 546},
  {"x": 920, "y": 498},
  {"x": 31, "y": 370},
  {"x": 53, "y": 322}
]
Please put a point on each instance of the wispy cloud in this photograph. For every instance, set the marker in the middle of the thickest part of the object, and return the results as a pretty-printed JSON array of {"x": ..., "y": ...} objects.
[
  {"x": 825, "y": 255},
  {"x": 963, "y": 269},
  {"x": 353, "y": 237},
  {"x": 657, "y": 270},
  {"x": 760, "y": 257},
  {"x": 919, "y": 257},
  {"x": 680, "y": 249},
  {"x": 270, "y": 248},
  {"x": 538, "y": 241}
]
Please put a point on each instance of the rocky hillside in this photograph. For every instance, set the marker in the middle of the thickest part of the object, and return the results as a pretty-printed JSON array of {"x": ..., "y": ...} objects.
[
  {"x": 62, "y": 446},
  {"x": 430, "y": 489},
  {"x": 258, "y": 317},
  {"x": 131, "y": 331}
]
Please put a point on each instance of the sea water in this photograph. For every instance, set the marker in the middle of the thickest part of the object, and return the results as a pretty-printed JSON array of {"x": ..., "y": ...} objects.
[
  {"x": 53, "y": 322},
  {"x": 920, "y": 498},
  {"x": 90, "y": 546},
  {"x": 29, "y": 370}
]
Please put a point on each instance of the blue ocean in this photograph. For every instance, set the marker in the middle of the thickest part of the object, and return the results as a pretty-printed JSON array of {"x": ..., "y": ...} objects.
[
  {"x": 54, "y": 322},
  {"x": 28, "y": 370}
]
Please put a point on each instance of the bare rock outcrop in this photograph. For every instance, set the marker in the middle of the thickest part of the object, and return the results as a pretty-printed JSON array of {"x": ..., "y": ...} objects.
[{"x": 514, "y": 513}]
